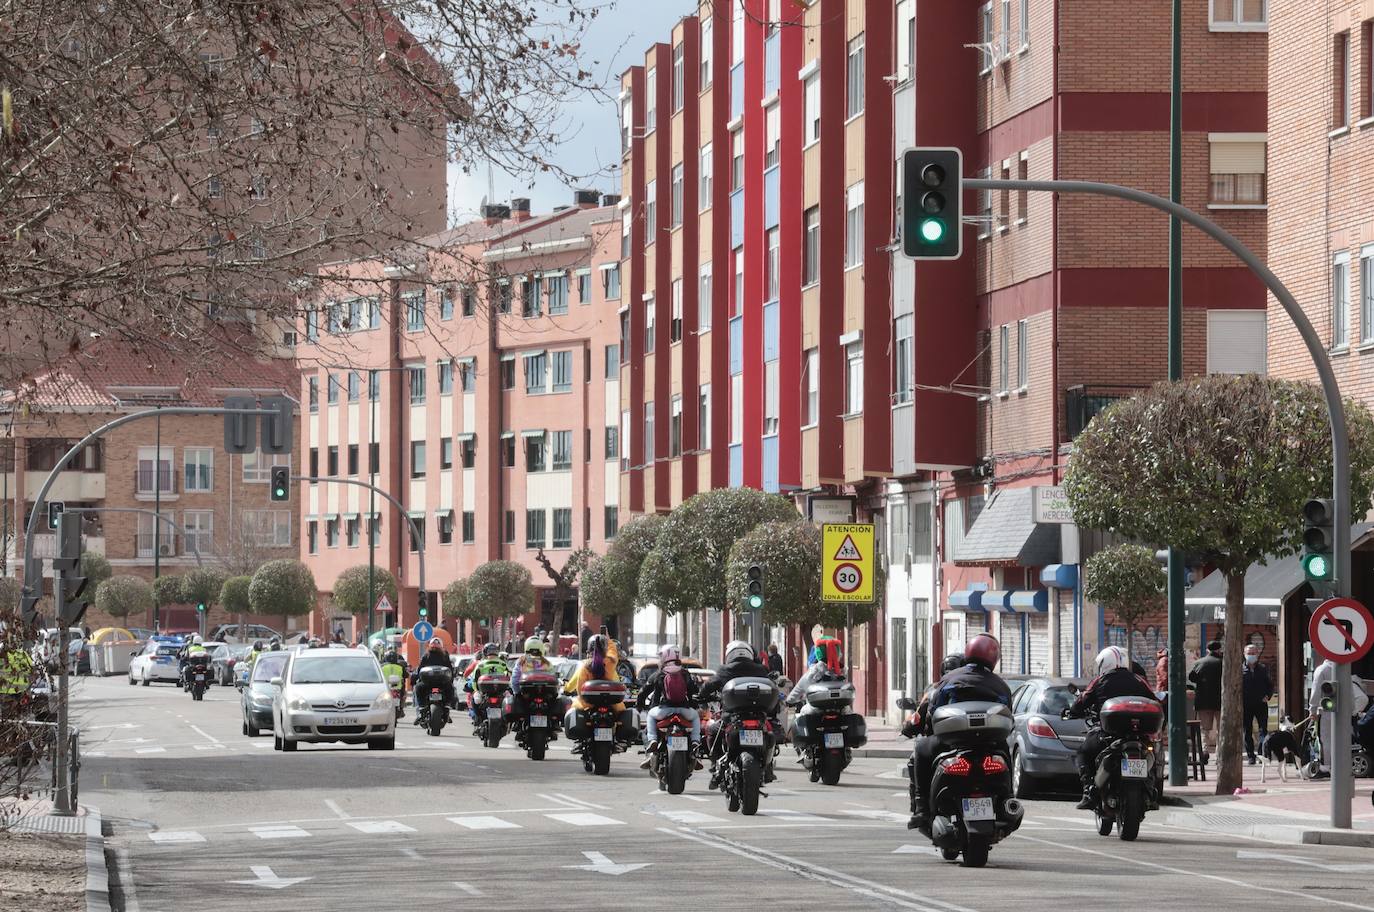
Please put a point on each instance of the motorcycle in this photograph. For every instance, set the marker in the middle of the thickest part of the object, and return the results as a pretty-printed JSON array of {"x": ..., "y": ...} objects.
[
  {"x": 490, "y": 726},
  {"x": 197, "y": 676},
  {"x": 432, "y": 683},
  {"x": 532, "y": 712},
  {"x": 1128, "y": 777},
  {"x": 749, "y": 738},
  {"x": 397, "y": 695},
  {"x": 670, "y": 759},
  {"x": 594, "y": 730},
  {"x": 970, "y": 791},
  {"x": 827, "y": 730}
]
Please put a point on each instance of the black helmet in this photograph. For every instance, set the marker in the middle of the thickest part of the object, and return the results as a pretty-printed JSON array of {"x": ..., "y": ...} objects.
[
  {"x": 257, "y": 646},
  {"x": 275, "y": 644},
  {"x": 952, "y": 661},
  {"x": 490, "y": 649}
]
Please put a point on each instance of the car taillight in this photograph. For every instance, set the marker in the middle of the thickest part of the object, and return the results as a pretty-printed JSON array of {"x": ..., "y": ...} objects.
[
  {"x": 751, "y": 723},
  {"x": 956, "y": 766},
  {"x": 993, "y": 765},
  {"x": 1040, "y": 728}
]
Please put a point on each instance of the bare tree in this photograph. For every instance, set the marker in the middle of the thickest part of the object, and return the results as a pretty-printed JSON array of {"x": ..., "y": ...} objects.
[{"x": 564, "y": 582}]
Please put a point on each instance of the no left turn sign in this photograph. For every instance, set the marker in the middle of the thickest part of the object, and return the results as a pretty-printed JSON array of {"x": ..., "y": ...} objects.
[{"x": 1341, "y": 630}]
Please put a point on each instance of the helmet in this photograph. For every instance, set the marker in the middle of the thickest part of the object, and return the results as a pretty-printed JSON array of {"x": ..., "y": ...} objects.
[
  {"x": 598, "y": 643},
  {"x": 534, "y": 645},
  {"x": 257, "y": 646},
  {"x": 952, "y": 661},
  {"x": 669, "y": 654},
  {"x": 984, "y": 650},
  {"x": 196, "y": 640},
  {"x": 275, "y": 644},
  {"x": 736, "y": 649},
  {"x": 436, "y": 645},
  {"x": 1110, "y": 659},
  {"x": 490, "y": 649}
]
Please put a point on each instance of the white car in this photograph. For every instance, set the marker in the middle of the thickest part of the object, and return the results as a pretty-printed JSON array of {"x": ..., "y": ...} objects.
[
  {"x": 332, "y": 695},
  {"x": 156, "y": 662}
]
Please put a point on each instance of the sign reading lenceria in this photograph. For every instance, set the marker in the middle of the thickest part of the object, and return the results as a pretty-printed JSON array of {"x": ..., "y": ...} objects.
[{"x": 1049, "y": 504}]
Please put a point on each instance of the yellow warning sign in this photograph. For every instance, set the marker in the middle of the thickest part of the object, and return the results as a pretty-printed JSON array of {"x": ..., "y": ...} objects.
[{"x": 847, "y": 568}]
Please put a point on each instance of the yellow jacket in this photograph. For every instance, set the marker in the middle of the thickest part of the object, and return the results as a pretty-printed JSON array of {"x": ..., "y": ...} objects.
[{"x": 583, "y": 674}]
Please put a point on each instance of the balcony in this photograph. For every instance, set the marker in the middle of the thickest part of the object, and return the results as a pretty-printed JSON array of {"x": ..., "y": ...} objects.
[
  {"x": 69, "y": 485},
  {"x": 153, "y": 484},
  {"x": 168, "y": 544},
  {"x": 45, "y": 548},
  {"x": 1083, "y": 403}
]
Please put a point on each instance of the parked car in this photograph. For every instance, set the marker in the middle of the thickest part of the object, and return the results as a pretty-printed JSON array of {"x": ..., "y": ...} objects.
[
  {"x": 256, "y": 697},
  {"x": 1043, "y": 745},
  {"x": 224, "y": 658},
  {"x": 157, "y": 661},
  {"x": 325, "y": 695},
  {"x": 230, "y": 633},
  {"x": 45, "y": 649}
]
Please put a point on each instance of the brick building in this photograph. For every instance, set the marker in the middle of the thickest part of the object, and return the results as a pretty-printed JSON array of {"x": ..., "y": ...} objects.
[{"x": 475, "y": 372}]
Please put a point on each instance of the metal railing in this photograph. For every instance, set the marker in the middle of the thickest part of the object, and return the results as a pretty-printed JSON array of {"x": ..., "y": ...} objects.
[
  {"x": 1083, "y": 403},
  {"x": 166, "y": 544}
]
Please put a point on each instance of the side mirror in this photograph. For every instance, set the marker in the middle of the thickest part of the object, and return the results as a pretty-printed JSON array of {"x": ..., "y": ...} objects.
[
  {"x": 276, "y": 682},
  {"x": 906, "y": 703}
]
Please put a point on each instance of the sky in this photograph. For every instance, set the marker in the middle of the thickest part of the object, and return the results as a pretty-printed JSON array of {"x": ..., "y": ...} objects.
[{"x": 616, "y": 39}]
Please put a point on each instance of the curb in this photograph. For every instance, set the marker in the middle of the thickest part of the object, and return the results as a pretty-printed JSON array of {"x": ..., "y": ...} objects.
[
  {"x": 1356, "y": 838},
  {"x": 883, "y": 753},
  {"x": 97, "y": 874}
]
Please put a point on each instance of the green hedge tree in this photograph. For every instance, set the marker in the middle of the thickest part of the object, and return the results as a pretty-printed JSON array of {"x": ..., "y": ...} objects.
[
  {"x": 500, "y": 588},
  {"x": 351, "y": 589},
  {"x": 96, "y": 569},
  {"x": 203, "y": 585},
  {"x": 167, "y": 590},
  {"x": 283, "y": 588},
  {"x": 1127, "y": 581},
  {"x": 610, "y": 585},
  {"x": 122, "y": 596}
]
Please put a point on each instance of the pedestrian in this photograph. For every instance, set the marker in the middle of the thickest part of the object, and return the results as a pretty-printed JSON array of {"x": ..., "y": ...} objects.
[
  {"x": 583, "y": 636},
  {"x": 1162, "y": 671},
  {"x": 1256, "y": 689},
  {"x": 1205, "y": 677},
  {"x": 774, "y": 659}
]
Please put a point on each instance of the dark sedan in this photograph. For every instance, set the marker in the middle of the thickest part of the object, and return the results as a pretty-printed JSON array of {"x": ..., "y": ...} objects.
[
  {"x": 223, "y": 661},
  {"x": 1043, "y": 745},
  {"x": 256, "y": 696}
]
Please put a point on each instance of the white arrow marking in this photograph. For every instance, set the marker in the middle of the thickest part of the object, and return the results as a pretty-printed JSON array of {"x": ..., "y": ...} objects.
[
  {"x": 265, "y": 877},
  {"x": 467, "y": 888},
  {"x": 600, "y": 864},
  {"x": 1307, "y": 862},
  {"x": 915, "y": 850}
]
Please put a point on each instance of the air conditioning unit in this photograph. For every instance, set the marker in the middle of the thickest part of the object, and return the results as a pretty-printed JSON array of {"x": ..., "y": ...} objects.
[{"x": 164, "y": 550}]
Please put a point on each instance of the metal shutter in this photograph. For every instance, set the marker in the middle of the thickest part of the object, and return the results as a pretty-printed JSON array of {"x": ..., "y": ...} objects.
[
  {"x": 1237, "y": 157},
  {"x": 1066, "y": 632},
  {"x": 1011, "y": 643},
  {"x": 1235, "y": 341},
  {"x": 1039, "y": 637}
]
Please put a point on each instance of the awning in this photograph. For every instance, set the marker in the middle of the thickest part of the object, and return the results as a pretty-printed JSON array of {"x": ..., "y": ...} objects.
[
  {"x": 1006, "y": 533},
  {"x": 1030, "y": 601},
  {"x": 416, "y": 514},
  {"x": 539, "y": 433},
  {"x": 997, "y": 600},
  {"x": 969, "y": 599},
  {"x": 1060, "y": 576},
  {"x": 350, "y": 516},
  {"x": 443, "y": 511},
  {"x": 466, "y": 436}
]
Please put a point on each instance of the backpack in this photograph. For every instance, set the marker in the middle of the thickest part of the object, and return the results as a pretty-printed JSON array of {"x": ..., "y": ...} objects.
[{"x": 675, "y": 688}]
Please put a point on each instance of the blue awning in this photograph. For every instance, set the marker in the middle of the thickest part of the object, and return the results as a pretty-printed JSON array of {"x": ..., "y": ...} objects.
[
  {"x": 968, "y": 599},
  {"x": 1030, "y": 601},
  {"x": 1060, "y": 576},
  {"x": 997, "y": 600}
]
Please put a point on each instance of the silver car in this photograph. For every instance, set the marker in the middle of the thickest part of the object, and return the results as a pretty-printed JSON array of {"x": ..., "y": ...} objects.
[
  {"x": 1043, "y": 746},
  {"x": 332, "y": 695}
]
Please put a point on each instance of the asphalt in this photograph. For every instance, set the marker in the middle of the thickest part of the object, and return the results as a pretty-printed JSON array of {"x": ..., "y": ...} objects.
[{"x": 198, "y": 815}]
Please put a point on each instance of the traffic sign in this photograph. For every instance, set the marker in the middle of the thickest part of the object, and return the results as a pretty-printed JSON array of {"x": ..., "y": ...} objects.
[
  {"x": 847, "y": 562},
  {"x": 1341, "y": 630},
  {"x": 384, "y": 605},
  {"x": 423, "y": 630}
]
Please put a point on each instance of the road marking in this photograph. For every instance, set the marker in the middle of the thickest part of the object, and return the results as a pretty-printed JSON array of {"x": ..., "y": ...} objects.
[
  {"x": 915, "y": 850},
  {"x": 206, "y": 735},
  {"x": 1299, "y": 860},
  {"x": 789, "y": 816},
  {"x": 333, "y": 806},
  {"x": 151, "y": 750},
  {"x": 1076, "y": 821},
  {"x": 691, "y": 818},
  {"x": 579, "y": 802},
  {"x": 279, "y": 831},
  {"x": 1305, "y": 897},
  {"x": 380, "y": 826},
  {"x": 170, "y": 836},
  {"x": 207, "y": 747},
  {"x": 684, "y": 796},
  {"x": 410, "y": 853},
  {"x": 126, "y": 881},
  {"x": 259, "y": 744},
  {"x": 468, "y": 888},
  {"x": 600, "y": 864},
  {"x": 891, "y": 816},
  {"x": 485, "y": 823},
  {"x": 585, "y": 820},
  {"x": 263, "y": 876}
]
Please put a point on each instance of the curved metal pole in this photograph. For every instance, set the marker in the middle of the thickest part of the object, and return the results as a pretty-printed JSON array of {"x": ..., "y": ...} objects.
[
  {"x": 200, "y": 562},
  {"x": 1341, "y": 785}
]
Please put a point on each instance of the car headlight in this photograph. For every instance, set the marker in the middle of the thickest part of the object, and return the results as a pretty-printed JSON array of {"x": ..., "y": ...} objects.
[
  {"x": 383, "y": 701},
  {"x": 262, "y": 699},
  {"x": 298, "y": 704}
]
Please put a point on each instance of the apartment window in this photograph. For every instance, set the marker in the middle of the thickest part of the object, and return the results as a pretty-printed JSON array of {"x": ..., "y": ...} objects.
[
  {"x": 355, "y": 313},
  {"x": 1367, "y": 42},
  {"x": 624, "y": 335},
  {"x": 1367, "y": 294},
  {"x": 771, "y": 265},
  {"x": 651, "y": 101},
  {"x": 417, "y": 377},
  {"x": 257, "y": 466},
  {"x": 584, "y": 286},
  {"x": 331, "y": 462},
  {"x": 902, "y": 385},
  {"x": 1005, "y": 198},
  {"x": 352, "y": 531},
  {"x": 508, "y": 373},
  {"x": 467, "y": 450},
  {"x": 355, "y": 382},
  {"x": 704, "y": 300},
  {"x": 811, "y": 109},
  {"x": 558, "y": 292},
  {"x": 612, "y": 362},
  {"x": 1239, "y": 15},
  {"x": 374, "y": 385},
  {"x": 737, "y": 300},
  {"x": 445, "y": 452},
  {"x": 626, "y": 226},
  {"x": 508, "y": 450},
  {"x": 312, "y": 536},
  {"x": 612, "y": 522},
  {"x": 1022, "y": 355},
  {"x": 770, "y": 398},
  {"x": 626, "y": 121},
  {"x": 374, "y": 312},
  {"x": 534, "y": 528},
  {"x": 675, "y": 320},
  {"x": 1003, "y": 358},
  {"x": 707, "y": 53},
  {"x": 612, "y": 449},
  {"x": 331, "y": 532},
  {"x": 374, "y": 529},
  {"x": 374, "y": 458},
  {"x": 531, "y": 305},
  {"x": 1235, "y": 341},
  {"x": 446, "y": 304},
  {"x": 1238, "y": 169},
  {"x": 199, "y": 469},
  {"x": 675, "y": 427},
  {"x": 854, "y": 225},
  {"x": 648, "y": 433},
  {"x": 1022, "y": 196},
  {"x": 535, "y": 369},
  {"x": 677, "y": 177},
  {"x": 445, "y": 378},
  {"x": 562, "y": 528},
  {"x": 985, "y": 38},
  {"x": 649, "y": 316},
  {"x": 737, "y": 160},
  {"x": 811, "y": 387},
  {"x": 706, "y": 170},
  {"x": 737, "y": 15},
  {"x": 1340, "y": 81},
  {"x": 353, "y": 452},
  {"x": 704, "y": 417},
  {"x": 1004, "y": 39},
  {"x": 469, "y": 527},
  {"x": 650, "y": 211},
  {"x": 414, "y": 302},
  {"x": 1025, "y": 26},
  {"x": 469, "y": 297},
  {"x": 985, "y": 208},
  {"x": 854, "y": 105},
  {"x": 417, "y": 459},
  {"x": 610, "y": 281},
  {"x": 505, "y": 296},
  {"x": 536, "y": 451},
  {"x": 508, "y": 528},
  {"x": 332, "y": 384},
  {"x": 417, "y": 534},
  {"x": 811, "y": 246},
  {"x": 562, "y": 371},
  {"x": 445, "y": 527},
  {"x": 312, "y": 325},
  {"x": 736, "y": 409},
  {"x": 854, "y": 378},
  {"x": 562, "y": 450},
  {"x": 772, "y": 135},
  {"x": 314, "y": 463},
  {"x": 679, "y": 79},
  {"x": 1340, "y": 301}
]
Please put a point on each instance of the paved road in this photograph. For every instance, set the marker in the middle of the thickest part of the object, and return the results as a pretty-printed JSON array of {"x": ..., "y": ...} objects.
[{"x": 199, "y": 810}]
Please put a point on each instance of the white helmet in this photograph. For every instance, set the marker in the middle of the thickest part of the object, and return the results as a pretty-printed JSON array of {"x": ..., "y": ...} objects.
[
  {"x": 738, "y": 648},
  {"x": 196, "y": 640},
  {"x": 1110, "y": 659}
]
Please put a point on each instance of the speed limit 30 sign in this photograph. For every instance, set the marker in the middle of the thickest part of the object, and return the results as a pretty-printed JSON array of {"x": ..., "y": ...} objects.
[{"x": 847, "y": 578}]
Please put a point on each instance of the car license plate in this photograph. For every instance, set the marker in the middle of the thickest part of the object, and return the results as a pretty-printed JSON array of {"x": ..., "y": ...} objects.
[
  {"x": 750, "y": 738},
  {"x": 677, "y": 743},
  {"x": 978, "y": 809},
  {"x": 494, "y": 712},
  {"x": 436, "y": 697},
  {"x": 539, "y": 721},
  {"x": 200, "y": 677},
  {"x": 1135, "y": 769},
  {"x": 343, "y": 720},
  {"x": 834, "y": 739},
  {"x": 605, "y": 734}
]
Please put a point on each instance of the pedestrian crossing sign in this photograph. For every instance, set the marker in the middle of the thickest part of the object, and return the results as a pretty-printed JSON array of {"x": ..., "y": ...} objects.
[{"x": 847, "y": 562}]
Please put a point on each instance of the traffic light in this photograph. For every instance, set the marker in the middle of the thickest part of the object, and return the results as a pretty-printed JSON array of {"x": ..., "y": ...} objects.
[
  {"x": 201, "y": 607},
  {"x": 240, "y": 431},
  {"x": 55, "y": 508},
  {"x": 281, "y": 483},
  {"x": 754, "y": 587},
  {"x": 1318, "y": 540},
  {"x": 424, "y": 612},
  {"x": 73, "y": 605},
  {"x": 277, "y": 427},
  {"x": 932, "y": 204}
]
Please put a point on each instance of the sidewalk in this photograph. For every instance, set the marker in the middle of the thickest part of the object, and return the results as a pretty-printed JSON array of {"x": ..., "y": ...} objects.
[
  {"x": 73, "y": 854},
  {"x": 884, "y": 742}
]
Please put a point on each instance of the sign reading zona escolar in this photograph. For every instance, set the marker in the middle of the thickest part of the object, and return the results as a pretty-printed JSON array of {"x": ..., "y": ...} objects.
[{"x": 847, "y": 567}]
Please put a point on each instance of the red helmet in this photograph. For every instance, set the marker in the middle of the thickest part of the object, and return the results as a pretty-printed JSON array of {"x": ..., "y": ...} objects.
[{"x": 984, "y": 650}]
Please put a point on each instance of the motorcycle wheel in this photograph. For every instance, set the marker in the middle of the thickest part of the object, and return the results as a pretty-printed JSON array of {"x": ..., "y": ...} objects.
[
  {"x": 976, "y": 853},
  {"x": 436, "y": 722},
  {"x": 1132, "y": 812},
  {"x": 949, "y": 854},
  {"x": 677, "y": 771},
  {"x": 494, "y": 734},
  {"x": 1104, "y": 824},
  {"x": 601, "y": 758},
  {"x": 535, "y": 745},
  {"x": 832, "y": 764},
  {"x": 750, "y": 781}
]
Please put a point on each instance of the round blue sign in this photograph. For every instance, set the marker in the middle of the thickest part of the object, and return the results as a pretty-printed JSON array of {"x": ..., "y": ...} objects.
[{"x": 423, "y": 630}]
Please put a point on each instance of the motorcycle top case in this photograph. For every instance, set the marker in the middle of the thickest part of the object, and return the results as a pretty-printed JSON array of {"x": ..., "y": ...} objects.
[
  {"x": 602, "y": 693},
  {"x": 493, "y": 684},
  {"x": 1124, "y": 717},
  {"x": 538, "y": 679},
  {"x": 833, "y": 696},
  {"x": 746, "y": 694},
  {"x": 435, "y": 674},
  {"x": 973, "y": 720}
]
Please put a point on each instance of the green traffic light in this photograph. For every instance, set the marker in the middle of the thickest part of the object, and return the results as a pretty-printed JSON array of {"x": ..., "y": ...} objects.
[
  {"x": 755, "y": 602},
  {"x": 1317, "y": 566},
  {"x": 932, "y": 230},
  {"x": 424, "y": 612}
]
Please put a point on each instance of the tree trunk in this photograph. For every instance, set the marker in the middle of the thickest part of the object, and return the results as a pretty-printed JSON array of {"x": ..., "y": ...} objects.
[
  {"x": 1130, "y": 638},
  {"x": 1230, "y": 740}
]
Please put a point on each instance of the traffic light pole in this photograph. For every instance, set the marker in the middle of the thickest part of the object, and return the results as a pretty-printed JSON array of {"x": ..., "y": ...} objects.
[{"x": 1341, "y": 781}]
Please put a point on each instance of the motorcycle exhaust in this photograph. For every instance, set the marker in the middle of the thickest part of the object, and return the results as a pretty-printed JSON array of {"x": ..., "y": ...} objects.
[
  {"x": 944, "y": 833},
  {"x": 1015, "y": 812}
]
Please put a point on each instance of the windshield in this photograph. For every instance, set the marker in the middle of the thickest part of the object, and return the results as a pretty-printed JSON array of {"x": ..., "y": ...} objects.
[
  {"x": 1055, "y": 700},
  {"x": 268, "y": 667},
  {"x": 342, "y": 670}
]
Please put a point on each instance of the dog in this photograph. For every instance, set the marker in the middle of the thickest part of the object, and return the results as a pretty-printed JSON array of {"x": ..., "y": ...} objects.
[{"x": 1281, "y": 747}]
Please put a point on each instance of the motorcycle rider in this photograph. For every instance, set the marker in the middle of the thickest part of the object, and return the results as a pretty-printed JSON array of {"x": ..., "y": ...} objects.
[
  {"x": 1115, "y": 678},
  {"x": 818, "y": 672},
  {"x": 532, "y": 660},
  {"x": 437, "y": 656},
  {"x": 600, "y": 665},
  {"x": 194, "y": 651},
  {"x": 740, "y": 662},
  {"x": 672, "y": 687},
  {"x": 975, "y": 680},
  {"x": 491, "y": 663},
  {"x": 394, "y": 665},
  {"x": 912, "y": 726}
]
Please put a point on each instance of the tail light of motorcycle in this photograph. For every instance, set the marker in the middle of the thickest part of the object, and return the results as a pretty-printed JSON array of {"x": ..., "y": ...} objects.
[
  {"x": 494, "y": 700},
  {"x": 674, "y": 720},
  {"x": 828, "y": 716},
  {"x": 994, "y": 765},
  {"x": 956, "y": 766},
  {"x": 751, "y": 723},
  {"x": 1041, "y": 729}
]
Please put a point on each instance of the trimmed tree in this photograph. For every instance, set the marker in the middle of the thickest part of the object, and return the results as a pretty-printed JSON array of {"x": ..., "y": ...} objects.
[
  {"x": 283, "y": 588},
  {"x": 351, "y": 589},
  {"x": 498, "y": 589},
  {"x": 96, "y": 569},
  {"x": 202, "y": 585},
  {"x": 167, "y": 590},
  {"x": 121, "y": 596},
  {"x": 1127, "y": 581},
  {"x": 233, "y": 595},
  {"x": 456, "y": 603},
  {"x": 610, "y": 586},
  {"x": 1219, "y": 467}
]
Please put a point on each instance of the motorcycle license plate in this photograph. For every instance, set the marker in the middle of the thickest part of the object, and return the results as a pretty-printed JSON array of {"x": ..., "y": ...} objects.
[
  {"x": 605, "y": 734},
  {"x": 539, "y": 721},
  {"x": 1135, "y": 769},
  {"x": 436, "y": 697},
  {"x": 978, "y": 809},
  {"x": 748, "y": 738},
  {"x": 494, "y": 712},
  {"x": 200, "y": 677},
  {"x": 677, "y": 743},
  {"x": 834, "y": 739}
]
